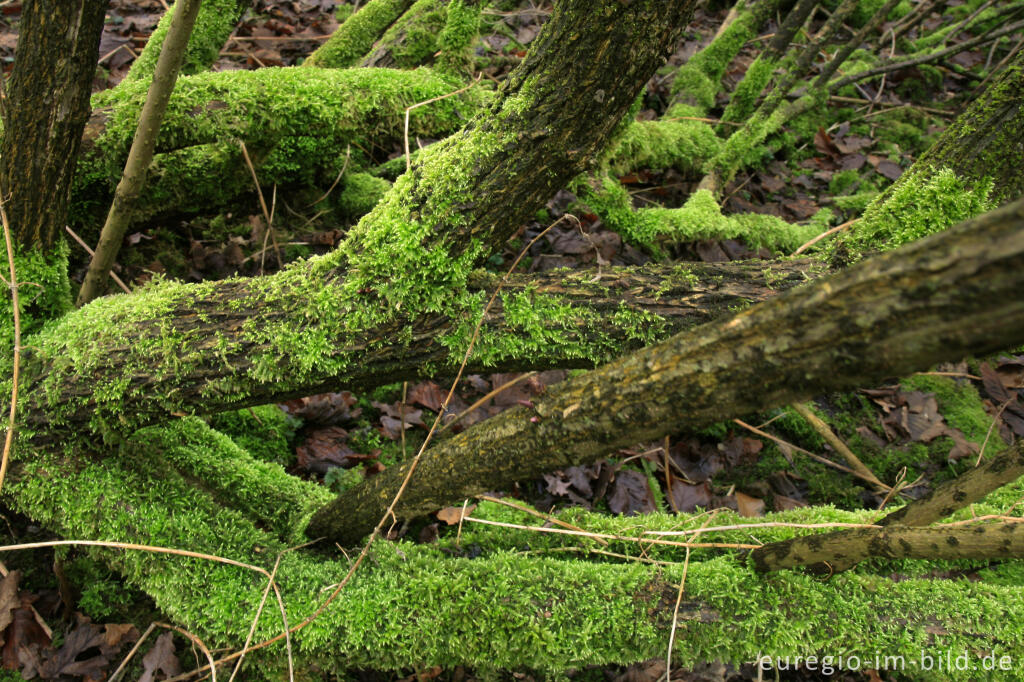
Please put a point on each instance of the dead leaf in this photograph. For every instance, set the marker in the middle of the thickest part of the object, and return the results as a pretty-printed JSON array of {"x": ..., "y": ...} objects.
[
  {"x": 454, "y": 515},
  {"x": 631, "y": 493},
  {"x": 160, "y": 658},
  {"x": 749, "y": 506},
  {"x": 690, "y": 496}
]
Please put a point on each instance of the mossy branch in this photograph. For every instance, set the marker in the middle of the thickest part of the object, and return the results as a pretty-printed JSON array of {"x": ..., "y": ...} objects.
[
  {"x": 357, "y": 35},
  {"x": 903, "y": 535},
  {"x": 936, "y": 299},
  {"x": 213, "y": 27}
]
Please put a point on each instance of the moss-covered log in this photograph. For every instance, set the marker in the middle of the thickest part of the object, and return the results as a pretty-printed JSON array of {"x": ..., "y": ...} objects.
[
  {"x": 295, "y": 122},
  {"x": 975, "y": 165},
  {"x": 106, "y": 367},
  {"x": 936, "y": 299},
  {"x": 47, "y": 102},
  {"x": 413, "y": 606}
]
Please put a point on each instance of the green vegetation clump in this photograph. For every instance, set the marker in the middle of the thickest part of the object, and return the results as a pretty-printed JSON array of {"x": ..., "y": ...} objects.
[
  {"x": 266, "y": 432},
  {"x": 357, "y": 34},
  {"x": 921, "y": 203},
  {"x": 361, "y": 193},
  {"x": 699, "y": 218}
]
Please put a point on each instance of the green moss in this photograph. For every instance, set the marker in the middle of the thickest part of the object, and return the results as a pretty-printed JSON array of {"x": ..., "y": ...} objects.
[
  {"x": 921, "y": 203},
  {"x": 361, "y": 193},
  {"x": 296, "y": 123},
  {"x": 455, "y": 41},
  {"x": 357, "y": 34},
  {"x": 683, "y": 145},
  {"x": 413, "y": 39},
  {"x": 744, "y": 98},
  {"x": 961, "y": 405},
  {"x": 214, "y": 24},
  {"x": 266, "y": 432},
  {"x": 699, "y": 218},
  {"x": 44, "y": 291},
  {"x": 699, "y": 79}
]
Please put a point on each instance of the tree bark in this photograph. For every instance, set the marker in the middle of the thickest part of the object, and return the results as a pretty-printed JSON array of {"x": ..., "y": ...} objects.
[
  {"x": 588, "y": 331},
  {"x": 938, "y": 299},
  {"x": 48, "y": 105},
  {"x": 398, "y": 275},
  {"x": 984, "y": 142},
  {"x": 838, "y": 551}
]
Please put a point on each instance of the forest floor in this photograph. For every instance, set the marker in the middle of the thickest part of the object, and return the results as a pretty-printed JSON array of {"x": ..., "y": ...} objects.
[{"x": 924, "y": 429}]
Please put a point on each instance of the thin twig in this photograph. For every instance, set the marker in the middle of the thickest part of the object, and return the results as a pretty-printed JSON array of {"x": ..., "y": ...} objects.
[
  {"x": 267, "y": 215},
  {"x": 481, "y": 401},
  {"x": 837, "y": 444},
  {"x": 748, "y": 526},
  {"x": 612, "y": 536},
  {"x": 408, "y": 157},
  {"x": 816, "y": 458},
  {"x": 547, "y": 517},
  {"x": 113, "y": 275},
  {"x": 131, "y": 653},
  {"x": 16, "y": 308},
  {"x": 981, "y": 452}
]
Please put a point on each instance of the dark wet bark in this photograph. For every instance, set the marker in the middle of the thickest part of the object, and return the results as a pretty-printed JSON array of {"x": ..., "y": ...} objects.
[{"x": 47, "y": 104}]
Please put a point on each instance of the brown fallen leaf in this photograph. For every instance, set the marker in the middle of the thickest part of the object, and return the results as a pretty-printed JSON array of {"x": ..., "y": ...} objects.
[{"x": 454, "y": 515}]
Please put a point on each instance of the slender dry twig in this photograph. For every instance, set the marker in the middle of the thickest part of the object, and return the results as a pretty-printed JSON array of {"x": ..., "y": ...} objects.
[
  {"x": 981, "y": 452},
  {"x": 16, "y": 308},
  {"x": 612, "y": 536},
  {"x": 131, "y": 653},
  {"x": 748, "y": 526},
  {"x": 816, "y": 458},
  {"x": 483, "y": 400},
  {"x": 198, "y": 642},
  {"x": 268, "y": 214},
  {"x": 815, "y": 240},
  {"x": 837, "y": 444},
  {"x": 344, "y": 167},
  {"x": 547, "y": 517},
  {"x": 113, "y": 275},
  {"x": 408, "y": 156}
]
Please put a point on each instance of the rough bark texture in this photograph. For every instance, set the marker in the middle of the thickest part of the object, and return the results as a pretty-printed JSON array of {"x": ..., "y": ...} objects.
[
  {"x": 399, "y": 272},
  {"x": 841, "y": 550},
  {"x": 48, "y": 105},
  {"x": 682, "y": 297},
  {"x": 985, "y": 142},
  {"x": 1000, "y": 541},
  {"x": 938, "y": 299}
]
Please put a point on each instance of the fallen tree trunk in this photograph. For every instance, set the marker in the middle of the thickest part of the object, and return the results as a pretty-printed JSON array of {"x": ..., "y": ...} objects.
[
  {"x": 544, "y": 320},
  {"x": 937, "y": 299},
  {"x": 414, "y": 606}
]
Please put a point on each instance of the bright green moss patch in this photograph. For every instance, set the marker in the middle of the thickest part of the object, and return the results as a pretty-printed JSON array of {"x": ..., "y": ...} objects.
[
  {"x": 361, "y": 193},
  {"x": 44, "y": 291},
  {"x": 922, "y": 202},
  {"x": 296, "y": 123},
  {"x": 266, "y": 432},
  {"x": 744, "y": 98},
  {"x": 683, "y": 145},
  {"x": 699, "y": 218},
  {"x": 462, "y": 26},
  {"x": 214, "y": 24},
  {"x": 354, "y": 38}
]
